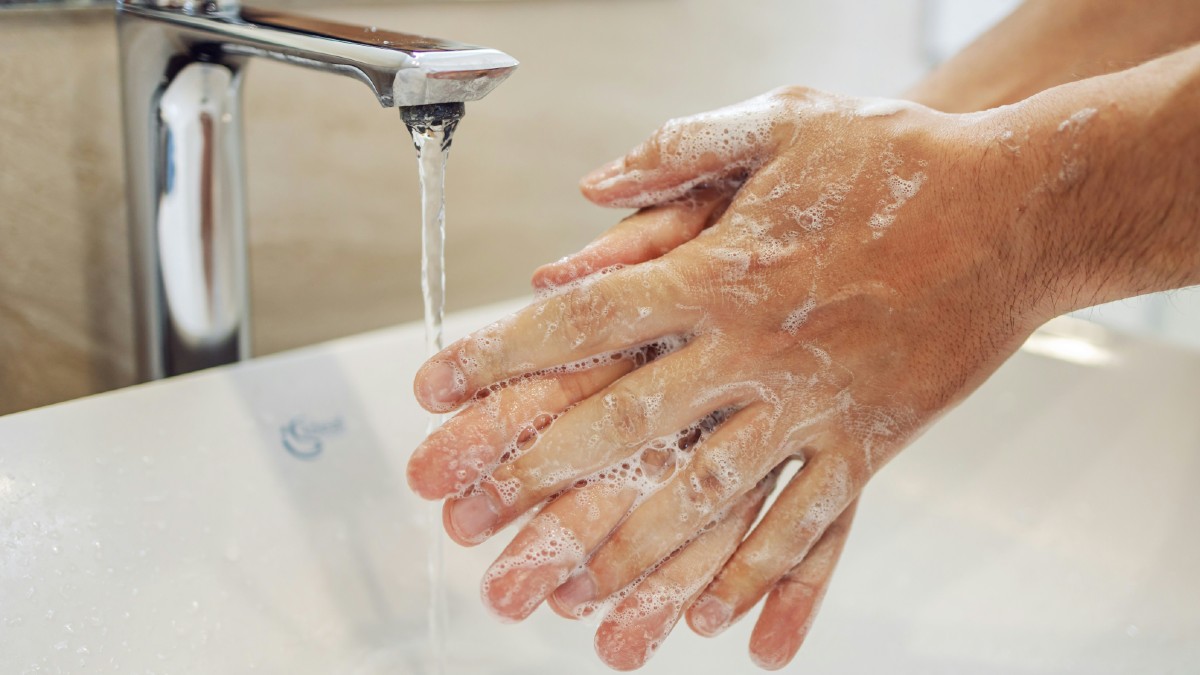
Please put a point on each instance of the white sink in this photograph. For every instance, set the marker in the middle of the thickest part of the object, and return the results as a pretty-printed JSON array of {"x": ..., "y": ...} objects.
[{"x": 255, "y": 518}]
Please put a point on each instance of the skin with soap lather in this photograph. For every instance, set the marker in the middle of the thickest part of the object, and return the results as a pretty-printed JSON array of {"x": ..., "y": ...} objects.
[{"x": 860, "y": 282}]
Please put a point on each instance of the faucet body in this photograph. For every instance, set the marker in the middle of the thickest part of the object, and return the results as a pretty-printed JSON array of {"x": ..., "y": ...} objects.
[{"x": 182, "y": 72}]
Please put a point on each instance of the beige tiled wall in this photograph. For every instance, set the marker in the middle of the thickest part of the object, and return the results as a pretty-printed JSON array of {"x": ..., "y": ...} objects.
[
  {"x": 333, "y": 209},
  {"x": 64, "y": 305}
]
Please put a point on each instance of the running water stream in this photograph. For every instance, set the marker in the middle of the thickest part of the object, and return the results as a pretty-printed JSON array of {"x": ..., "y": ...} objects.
[{"x": 432, "y": 128}]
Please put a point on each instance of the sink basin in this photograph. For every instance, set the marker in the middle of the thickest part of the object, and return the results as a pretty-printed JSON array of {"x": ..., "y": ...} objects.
[{"x": 254, "y": 518}]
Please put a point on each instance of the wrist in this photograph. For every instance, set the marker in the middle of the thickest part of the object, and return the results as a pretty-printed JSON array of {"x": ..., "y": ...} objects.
[
  {"x": 1045, "y": 43},
  {"x": 1105, "y": 201}
]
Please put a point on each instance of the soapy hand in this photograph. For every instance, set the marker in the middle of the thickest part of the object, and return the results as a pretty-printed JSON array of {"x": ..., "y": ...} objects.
[{"x": 812, "y": 278}]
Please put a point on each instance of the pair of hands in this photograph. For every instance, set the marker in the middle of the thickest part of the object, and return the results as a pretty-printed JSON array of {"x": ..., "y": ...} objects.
[{"x": 810, "y": 278}]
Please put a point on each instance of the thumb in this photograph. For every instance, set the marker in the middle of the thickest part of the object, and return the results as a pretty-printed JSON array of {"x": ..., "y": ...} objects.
[{"x": 691, "y": 151}]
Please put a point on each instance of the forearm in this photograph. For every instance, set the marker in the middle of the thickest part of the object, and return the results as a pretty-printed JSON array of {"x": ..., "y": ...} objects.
[
  {"x": 1116, "y": 207},
  {"x": 1045, "y": 43}
]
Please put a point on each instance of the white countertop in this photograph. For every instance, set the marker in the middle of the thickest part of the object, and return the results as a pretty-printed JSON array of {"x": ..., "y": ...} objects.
[{"x": 254, "y": 518}]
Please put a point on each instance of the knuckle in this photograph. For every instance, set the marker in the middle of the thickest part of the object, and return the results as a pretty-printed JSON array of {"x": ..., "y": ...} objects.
[
  {"x": 584, "y": 315},
  {"x": 743, "y": 570},
  {"x": 626, "y": 413},
  {"x": 790, "y": 91},
  {"x": 789, "y": 94},
  {"x": 649, "y": 153},
  {"x": 574, "y": 387},
  {"x": 625, "y": 554},
  {"x": 622, "y": 545},
  {"x": 794, "y": 582},
  {"x": 522, "y": 484},
  {"x": 711, "y": 483},
  {"x": 657, "y": 463},
  {"x": 670, "y": 134},
  {"x": 681, "y": 277}
]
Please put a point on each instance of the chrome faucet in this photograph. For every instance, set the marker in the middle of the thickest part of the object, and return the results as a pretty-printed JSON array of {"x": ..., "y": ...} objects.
[{"x": 182, "y": 65}]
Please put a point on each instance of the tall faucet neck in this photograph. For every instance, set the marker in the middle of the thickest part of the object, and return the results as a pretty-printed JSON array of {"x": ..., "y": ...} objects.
[
  {"x": 182, "y": 65},
  {"x": 195, "y": 7}
]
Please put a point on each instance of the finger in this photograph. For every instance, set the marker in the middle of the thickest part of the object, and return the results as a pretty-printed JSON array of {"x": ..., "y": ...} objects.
[
  {"x": 543, "y": 554},
  {"x": 645, "y": 235},
  {"x": 723, "y": 468},
  {"x": 569, "y": 528},
  {"x": 793, "y": 603},
  {"x": 454, "y": 456},
  {"x": 692, "y": 151},
  {"x": 792, "y": 525},
  {"x": 615, "y": 312},
  {"x": 652, "y": 402},
  {"x": 646, "y": 473},
  {"x": 633, "y": 631}
]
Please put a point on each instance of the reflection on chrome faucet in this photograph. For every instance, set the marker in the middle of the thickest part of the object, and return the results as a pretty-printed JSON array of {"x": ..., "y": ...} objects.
[{"x": 182, "y": 63}]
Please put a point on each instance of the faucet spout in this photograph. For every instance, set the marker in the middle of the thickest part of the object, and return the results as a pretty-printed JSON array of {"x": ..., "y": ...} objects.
[
  {"x": 182, "y": 64},
  {"x": 401, "y": 69}
]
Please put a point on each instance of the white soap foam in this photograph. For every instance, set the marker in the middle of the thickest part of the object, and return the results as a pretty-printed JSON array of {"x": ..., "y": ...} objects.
[
  {"x": 1073, "y": 167},
  {"x": 883, "y": 107},
  {"x": 583, "y": 275},
  {"x": 1008, "y": 140},
  {"x": 796, "y": 318},
  {"x": 819, "y": 215},
  {"x": 900, "y": 190},
  {"x": 1077, "y": 120},
  {"x": 554, "y": 545}
]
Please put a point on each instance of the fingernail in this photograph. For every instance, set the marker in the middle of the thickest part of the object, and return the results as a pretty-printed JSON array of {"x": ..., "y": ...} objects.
[
  {"x": 440, "y": 384},
  {"x": 504, "y": 594},
  {"x": 579, "y": 589},
  {"x": 628, "y": 642},
  {"x": 768, "y": 660},
  {"x": 473, "y": 517},
  {"x": 711, "y": 615},
  {"x": 769, "y": 646},
  {"x": 605, "y": 172},
  {"x": 513, "y": 594}
]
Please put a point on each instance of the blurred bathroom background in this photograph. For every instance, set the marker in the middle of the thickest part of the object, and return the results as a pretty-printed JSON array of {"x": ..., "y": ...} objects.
[
  {"x": 1172, "y": 317},
  {"x": 333, "y": 207}
]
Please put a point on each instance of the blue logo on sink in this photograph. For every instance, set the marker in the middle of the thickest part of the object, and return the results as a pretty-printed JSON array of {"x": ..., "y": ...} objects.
[{"x": 305, "y": 439}]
